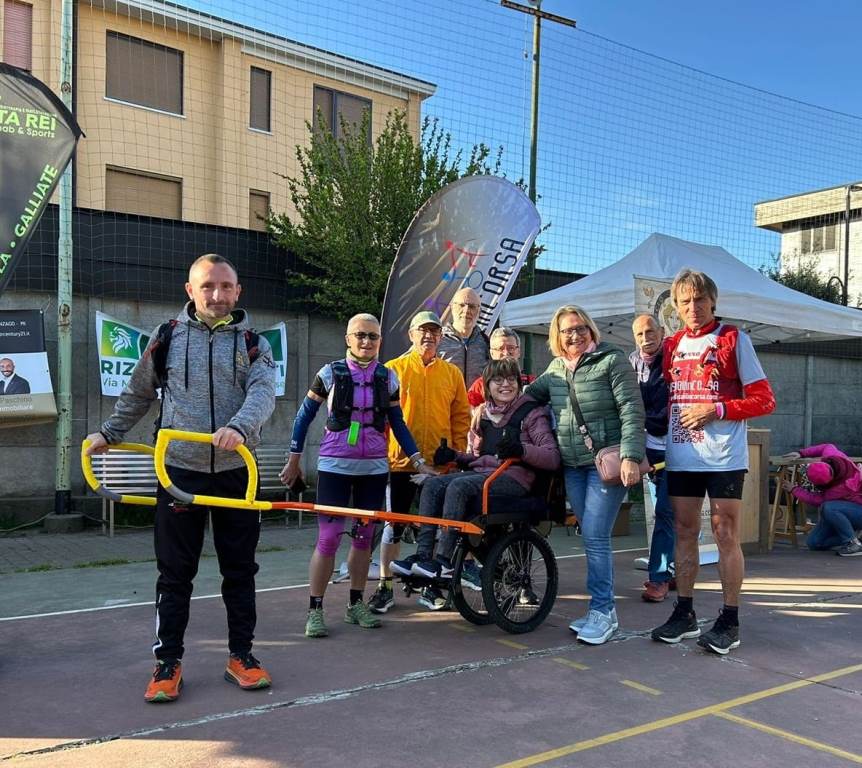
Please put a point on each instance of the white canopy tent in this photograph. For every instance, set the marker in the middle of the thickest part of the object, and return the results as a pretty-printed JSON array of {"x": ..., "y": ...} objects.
[{"x": 768, "y": 311}]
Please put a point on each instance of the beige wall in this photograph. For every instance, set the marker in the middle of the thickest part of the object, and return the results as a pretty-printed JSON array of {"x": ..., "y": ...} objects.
[{"x": 211, "y": 147}]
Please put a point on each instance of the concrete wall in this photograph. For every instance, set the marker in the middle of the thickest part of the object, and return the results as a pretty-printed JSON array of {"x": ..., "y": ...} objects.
[
  {"x": 817, "y": 399},
  {"x": 816, "y": 396},
  {"x": 27, "y": 483}
]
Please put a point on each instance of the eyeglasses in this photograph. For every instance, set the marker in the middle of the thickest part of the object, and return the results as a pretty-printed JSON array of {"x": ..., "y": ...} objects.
[
  {"x": 362, "y": 336},
  {"x": 500, "y": 380},
  {"x": 429, "y": 330},
  {"x": 464, "y": 305},
  {"x": 506, "y": 348},
  {"x": 581, "y": 330}
]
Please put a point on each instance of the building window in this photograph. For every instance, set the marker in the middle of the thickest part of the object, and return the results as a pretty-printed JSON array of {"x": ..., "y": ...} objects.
[
  {"x": 18, "y": 34},
  {"x": 144, "y": 73},
  {"x": 258, "y": 210},
  {"x": 261, "y": 89},
  {"x": 818, "y": 239},
  {"x": 145, "y": 194},
  {"x": 330, "y": 104}
]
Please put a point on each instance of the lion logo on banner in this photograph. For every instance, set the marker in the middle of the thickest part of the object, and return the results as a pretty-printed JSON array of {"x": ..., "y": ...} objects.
[{"x": 121, "y": 340}]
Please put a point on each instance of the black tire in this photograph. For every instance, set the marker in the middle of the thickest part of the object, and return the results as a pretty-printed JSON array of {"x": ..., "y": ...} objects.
[
  {"x": 521, "y": 560},
  {"x": 470, "y": 604}
]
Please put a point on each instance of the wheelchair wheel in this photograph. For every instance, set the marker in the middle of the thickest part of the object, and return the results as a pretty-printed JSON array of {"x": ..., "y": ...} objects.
[
  {"x": 470, "y": 603},
  {"x": 519, "y": 581}
]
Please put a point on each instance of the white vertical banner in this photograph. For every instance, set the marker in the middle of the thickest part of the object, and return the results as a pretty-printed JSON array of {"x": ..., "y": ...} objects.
[
  {"x": 277, "y": 338},
  {"x": 652, "y": 297}
]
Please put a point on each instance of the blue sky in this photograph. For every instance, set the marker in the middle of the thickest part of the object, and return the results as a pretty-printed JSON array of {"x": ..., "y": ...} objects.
[
  {"x": 796, "y": 48},
  {"x": 656, "y": 115}
]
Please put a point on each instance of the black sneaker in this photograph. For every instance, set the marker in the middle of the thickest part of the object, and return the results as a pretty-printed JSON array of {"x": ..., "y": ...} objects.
[
  {"x": 680, "y": 625},
  {"x": 382, "y": 599},
  {"x": 432, "y": 598},
  {"x": 722, "y": 638},
  {"x": 405, "y": 567}
]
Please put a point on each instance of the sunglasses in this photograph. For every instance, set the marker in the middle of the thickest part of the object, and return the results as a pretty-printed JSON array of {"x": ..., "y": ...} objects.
[{"x": 362, "y": 336}]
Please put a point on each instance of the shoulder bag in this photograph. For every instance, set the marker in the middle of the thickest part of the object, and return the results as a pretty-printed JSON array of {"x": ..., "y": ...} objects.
[{"x": 607, "y": 459}]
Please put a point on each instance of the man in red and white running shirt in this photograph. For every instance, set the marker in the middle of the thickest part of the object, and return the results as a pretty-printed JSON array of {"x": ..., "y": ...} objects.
[{"x": 716, "y": 383}]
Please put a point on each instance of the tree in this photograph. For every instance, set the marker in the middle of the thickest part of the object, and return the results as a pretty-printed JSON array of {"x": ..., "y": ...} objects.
[
  {"x": 801, "y": 275},
  {"x": 355, "y": 199}
]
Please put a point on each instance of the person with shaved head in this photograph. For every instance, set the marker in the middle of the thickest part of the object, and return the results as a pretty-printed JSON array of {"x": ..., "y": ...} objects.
[
  {"x": 647, "y": 362},
  {"x": 215, "y": 375},
  {"x": 463, "y": 343}
]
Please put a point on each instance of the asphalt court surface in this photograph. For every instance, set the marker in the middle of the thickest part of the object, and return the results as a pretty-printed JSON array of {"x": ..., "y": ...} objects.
[{"x": 430, "y": 689}]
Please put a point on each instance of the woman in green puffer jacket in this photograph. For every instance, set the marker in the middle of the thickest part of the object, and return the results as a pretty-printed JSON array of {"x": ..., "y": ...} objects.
[{"x": 610, "y": 401}]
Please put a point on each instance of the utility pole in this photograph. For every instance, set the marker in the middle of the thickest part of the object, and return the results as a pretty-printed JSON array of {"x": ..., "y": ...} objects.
[
  {"x": 534, "y": 10},
  {"x": 845, "y": 293},
  {"x": 62, "y": 477}
]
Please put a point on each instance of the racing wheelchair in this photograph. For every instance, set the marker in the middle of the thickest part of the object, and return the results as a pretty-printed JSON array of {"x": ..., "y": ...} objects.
[
  {"x": 518, "y": 567},
  {"x": 506, "y": 536}
]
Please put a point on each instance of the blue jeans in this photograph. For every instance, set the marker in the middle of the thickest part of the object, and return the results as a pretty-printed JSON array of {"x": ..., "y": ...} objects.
[
  {"x": 663, "y": 539},
  {"x": 839, "y": 521},
  {"x": 450, "y": 496},
  {"x": 596, "y": 506}
]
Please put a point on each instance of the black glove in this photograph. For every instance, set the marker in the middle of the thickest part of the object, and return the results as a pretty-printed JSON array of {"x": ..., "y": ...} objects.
[
  {"x": 465, "y": 461},
  {"x": 444, "y": 455},
  {"x": 510, "y": 448}
]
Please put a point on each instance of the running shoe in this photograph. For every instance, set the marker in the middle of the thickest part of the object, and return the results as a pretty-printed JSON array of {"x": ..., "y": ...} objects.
[
  {"x": 166, "y": 682},
  {"x": 680, "y": 625},
  {"x": 382, "y": 600},
  {"x": 245, "y": 671}
]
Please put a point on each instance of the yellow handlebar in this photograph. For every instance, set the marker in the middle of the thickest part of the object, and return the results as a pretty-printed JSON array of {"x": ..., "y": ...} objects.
[
  {"x": 167, "y": 435},
  {"x": 93, "y": 481}
]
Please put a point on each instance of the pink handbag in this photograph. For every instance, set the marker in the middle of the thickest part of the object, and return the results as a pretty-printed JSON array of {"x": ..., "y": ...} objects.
[{"x": 608, "y": 463}]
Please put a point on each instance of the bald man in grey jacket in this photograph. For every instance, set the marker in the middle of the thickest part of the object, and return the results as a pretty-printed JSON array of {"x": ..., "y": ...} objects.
[{"x": 216, "y": 376}]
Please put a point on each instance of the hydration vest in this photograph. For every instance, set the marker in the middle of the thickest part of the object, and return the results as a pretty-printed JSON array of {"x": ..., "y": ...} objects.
[
  {"x": 343, "y": 387},
  {"x": 492, "y": 434}
]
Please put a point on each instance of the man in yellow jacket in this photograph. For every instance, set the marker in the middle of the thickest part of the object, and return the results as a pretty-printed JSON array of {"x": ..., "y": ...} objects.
[{"x": 434, "y": 402}]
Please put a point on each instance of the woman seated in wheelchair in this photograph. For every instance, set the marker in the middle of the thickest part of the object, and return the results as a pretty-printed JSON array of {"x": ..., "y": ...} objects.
[{"x": 510, "y": 425}]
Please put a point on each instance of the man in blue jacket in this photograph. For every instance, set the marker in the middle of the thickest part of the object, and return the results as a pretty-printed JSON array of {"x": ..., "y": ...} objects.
[
  {"x": 216, "y": 375},
  {"x": 646, "y": 360}
]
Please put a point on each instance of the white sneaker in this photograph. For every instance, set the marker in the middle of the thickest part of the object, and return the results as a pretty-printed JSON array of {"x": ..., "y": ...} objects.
[
  {"x": 578, "y": 624},
  {"x": 599, "y": 628}
]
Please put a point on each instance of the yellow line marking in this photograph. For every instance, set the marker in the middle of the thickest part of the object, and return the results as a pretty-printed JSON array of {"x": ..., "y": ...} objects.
[
  {"x": 513, "y": 644},
  {"x": 641, "y": 687},
  {"x": 462, "y": 627},
  {"x": 572, "y": 664},
  {"x": 851, "y": 756},
  {"x": 683, "y": 717}
]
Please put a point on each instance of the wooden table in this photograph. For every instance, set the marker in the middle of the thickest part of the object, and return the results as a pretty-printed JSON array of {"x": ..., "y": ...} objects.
[{"x": 784, "y": 517}]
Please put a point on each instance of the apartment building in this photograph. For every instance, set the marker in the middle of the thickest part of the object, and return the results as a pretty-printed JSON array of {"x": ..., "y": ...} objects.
[
  {"x": 193, "y": 117},
  {"x": 815, "y": 226}
]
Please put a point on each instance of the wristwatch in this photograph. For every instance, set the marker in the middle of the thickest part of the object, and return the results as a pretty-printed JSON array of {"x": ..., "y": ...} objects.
[{"x": 418, "y": 462}]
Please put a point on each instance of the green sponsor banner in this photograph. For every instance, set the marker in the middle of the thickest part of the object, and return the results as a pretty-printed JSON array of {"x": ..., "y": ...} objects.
[
  {"x": 120, "y": 347},
  {"x": 277, "y": 338}
]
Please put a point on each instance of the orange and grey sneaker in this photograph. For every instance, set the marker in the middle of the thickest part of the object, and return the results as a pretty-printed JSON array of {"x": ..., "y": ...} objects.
[
  {"x": 245, "y": 671},
  {"x": 167, "y": 681}
]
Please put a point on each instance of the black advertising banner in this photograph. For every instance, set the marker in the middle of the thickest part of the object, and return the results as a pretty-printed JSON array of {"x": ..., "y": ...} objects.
[
  {"x": 26, "y": 395},
  {"x": 37, "y": 138},
  {"x": 474, "y": 233}
]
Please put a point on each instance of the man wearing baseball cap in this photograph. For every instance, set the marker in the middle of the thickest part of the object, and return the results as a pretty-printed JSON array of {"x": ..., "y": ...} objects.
[{"x": 435, "y": 407}]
